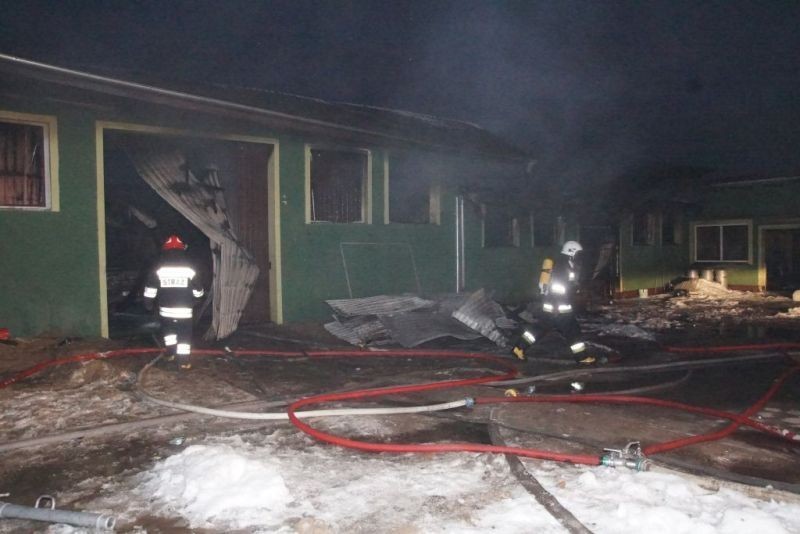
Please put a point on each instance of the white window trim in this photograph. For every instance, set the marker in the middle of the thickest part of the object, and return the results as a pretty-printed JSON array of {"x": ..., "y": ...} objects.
[
  {"x": 366, "y": 189},
  {"x": 49, "y": 124},
  {"x": 721, "y": 223}
]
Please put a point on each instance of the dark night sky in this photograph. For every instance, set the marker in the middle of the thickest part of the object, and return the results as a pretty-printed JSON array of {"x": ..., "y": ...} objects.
[{"x": 591, "y": 88}]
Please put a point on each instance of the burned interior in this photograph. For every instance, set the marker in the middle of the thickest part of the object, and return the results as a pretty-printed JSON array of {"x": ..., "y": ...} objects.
[{"x": 224, "y": 184}]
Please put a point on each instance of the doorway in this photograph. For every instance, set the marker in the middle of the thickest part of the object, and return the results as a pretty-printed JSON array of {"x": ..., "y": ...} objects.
[
  {"x": 781, "y": 258},
  {"x": 233, "y": 176}
]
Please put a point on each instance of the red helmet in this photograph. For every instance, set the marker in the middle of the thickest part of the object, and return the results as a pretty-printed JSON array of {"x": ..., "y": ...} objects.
[{"x": 173, "y": 242}]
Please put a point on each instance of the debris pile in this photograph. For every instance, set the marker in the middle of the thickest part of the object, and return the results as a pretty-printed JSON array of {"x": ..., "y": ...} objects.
[
  {"x": 702, "y": 288},
  {"x": 409, "y": 320}
]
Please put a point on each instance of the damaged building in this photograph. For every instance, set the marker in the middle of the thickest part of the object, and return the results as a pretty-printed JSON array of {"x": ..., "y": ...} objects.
[{"x": 285, "y": 202}]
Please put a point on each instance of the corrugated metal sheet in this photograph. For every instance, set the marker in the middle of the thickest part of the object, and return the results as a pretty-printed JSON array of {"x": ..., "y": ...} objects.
[
  {"x": 203, "y": 204},
  {"x": 378, "y": 305},
  {"x": 359, "y": 331},
  {"x": 416, "y": 327},
  {"x": 479, "y": 312}
]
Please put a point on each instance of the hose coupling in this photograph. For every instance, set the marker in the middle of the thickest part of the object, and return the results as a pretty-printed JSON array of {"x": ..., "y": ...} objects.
[
  {"x": 630, "y": 456},
  {"x": 469, "y": 402}
]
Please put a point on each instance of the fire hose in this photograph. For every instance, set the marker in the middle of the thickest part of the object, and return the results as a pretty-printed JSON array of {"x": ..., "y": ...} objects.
[
  {"x": 294, "y": 415},
  {"x": 620, "y": 458}
]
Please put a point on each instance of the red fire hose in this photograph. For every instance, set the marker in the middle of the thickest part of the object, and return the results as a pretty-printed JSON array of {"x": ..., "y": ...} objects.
[{"x": 510, "y": 372}]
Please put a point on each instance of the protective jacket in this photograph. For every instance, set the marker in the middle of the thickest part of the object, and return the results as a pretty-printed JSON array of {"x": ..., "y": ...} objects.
[
  {"x": 558, "y": 294},
  {"x": 175, "y": 283}
]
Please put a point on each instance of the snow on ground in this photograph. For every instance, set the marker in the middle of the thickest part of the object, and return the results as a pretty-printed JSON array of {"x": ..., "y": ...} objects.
[
  {"x": 280, "y": 482},
  {"x": 791, "y": 313},
  {"x": 104, "y": 399}
]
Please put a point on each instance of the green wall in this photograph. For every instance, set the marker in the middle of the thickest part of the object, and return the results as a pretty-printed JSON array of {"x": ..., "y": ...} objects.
[
  {"x": 650, "y": 266},
  {"x": 764, "y": 204},
  {"x": 48, "y": 260},
  {"x": 761, "y": 204},
  {"x": 49, "y": 279},
  {"x": 381, "y": 258}
]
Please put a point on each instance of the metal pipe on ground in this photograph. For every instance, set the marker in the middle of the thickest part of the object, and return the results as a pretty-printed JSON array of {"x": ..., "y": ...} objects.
[{"x": 51, "y": 515}]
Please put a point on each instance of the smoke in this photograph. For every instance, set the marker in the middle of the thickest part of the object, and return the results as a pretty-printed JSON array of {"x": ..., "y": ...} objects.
[
  {"x": 592, "y": 89},
  {"x": 596, "y": 89}
]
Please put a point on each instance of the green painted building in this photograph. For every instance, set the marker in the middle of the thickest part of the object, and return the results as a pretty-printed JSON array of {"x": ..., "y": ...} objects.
[
  {"x": 330, "y": 200},
  {"x": 748, "y": 227}
]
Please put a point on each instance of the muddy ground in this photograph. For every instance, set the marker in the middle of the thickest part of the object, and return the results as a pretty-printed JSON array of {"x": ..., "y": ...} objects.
[{"x": 99, "y": 393}]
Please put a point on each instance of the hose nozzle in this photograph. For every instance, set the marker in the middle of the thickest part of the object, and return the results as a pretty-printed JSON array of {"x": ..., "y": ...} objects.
[{"x": 630, "y": 456}]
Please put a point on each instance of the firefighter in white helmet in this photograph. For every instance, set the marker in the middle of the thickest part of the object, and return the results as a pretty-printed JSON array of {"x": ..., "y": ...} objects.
[
  {"x": 175, "y": 283},
  {"x": 558, "y": 285}
]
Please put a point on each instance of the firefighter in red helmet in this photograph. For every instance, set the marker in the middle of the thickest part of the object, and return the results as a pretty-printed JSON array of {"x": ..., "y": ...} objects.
[{"x": 175, "y": 283}]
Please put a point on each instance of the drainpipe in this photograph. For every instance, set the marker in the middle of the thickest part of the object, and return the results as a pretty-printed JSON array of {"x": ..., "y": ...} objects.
[{"x": 460, "y": 260}]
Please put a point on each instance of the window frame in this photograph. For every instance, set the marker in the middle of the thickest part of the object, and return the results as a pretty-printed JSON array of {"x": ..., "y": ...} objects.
[
  {"x": 653, "y": 229},
  {"x": 49, "y": 125},
  {"x": 366, "y": 186},
  {"x": 748, "y": 223},
  {"x": 434, "y": 198},
  {"x": 677, "y": 229},
  {"x": 515, "y": 231},
  {"x": 558, "y": 227}
]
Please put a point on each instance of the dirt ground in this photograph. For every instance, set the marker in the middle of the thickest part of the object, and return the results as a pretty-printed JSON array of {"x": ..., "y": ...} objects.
[{"x": 101, "y": 393}]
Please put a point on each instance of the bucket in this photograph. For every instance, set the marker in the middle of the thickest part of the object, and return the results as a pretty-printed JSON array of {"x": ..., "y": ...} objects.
[
  {"x": 693, "y": 274},
  {"x": 721, "y": 277},
  {"x": 708, "y": 274},
  {"x": 642, "y": 293}
]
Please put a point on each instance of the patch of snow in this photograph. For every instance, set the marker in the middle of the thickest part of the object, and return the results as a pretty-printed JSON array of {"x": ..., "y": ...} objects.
[
  {"x": 791, "y": 313},
  {"x": 282, "y": 482},
  {"x": 625, "y": 330},
  {"x": 701, "y": 288},
  {"x": 224, "y": 483}
]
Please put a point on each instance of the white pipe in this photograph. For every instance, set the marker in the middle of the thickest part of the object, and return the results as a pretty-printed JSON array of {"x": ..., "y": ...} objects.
[{"x": 277, "y": 416}]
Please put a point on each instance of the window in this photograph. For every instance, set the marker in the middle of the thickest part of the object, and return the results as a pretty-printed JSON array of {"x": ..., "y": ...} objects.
[
  {"x": 338, "y": 185},
  {"x": 644, "y": 229},
  {"x": 26, "y": 164},
  {"x": 671, "y": 229},
  {"x": 544, "y": 231},
  {"x": 499, "y": 228},
  {"x": 413, "y": 198},
  {"x": 722, "y": 242}
]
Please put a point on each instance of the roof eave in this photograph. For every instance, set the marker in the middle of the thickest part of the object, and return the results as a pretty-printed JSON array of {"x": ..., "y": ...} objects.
[{"x": 184, "y": 100}]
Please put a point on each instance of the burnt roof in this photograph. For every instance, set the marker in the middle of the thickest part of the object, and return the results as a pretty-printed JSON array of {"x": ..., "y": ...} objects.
[{"x": 387, "y": 127}]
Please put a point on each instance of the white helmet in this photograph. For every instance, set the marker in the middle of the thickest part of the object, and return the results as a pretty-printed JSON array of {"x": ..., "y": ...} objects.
[{"x": 571, "y": 248}]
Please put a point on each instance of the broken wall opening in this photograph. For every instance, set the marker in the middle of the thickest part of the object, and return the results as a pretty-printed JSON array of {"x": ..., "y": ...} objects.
[{"x": 211, "y": 192}]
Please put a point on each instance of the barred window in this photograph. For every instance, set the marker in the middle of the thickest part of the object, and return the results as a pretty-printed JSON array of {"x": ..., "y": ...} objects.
[
  {"x": 338, "y": 185},
  {"x": 24, "y": 165}
]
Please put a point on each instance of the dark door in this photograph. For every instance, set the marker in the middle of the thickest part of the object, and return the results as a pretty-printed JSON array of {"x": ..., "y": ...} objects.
[
  {"x": 782, "y": 259},
  {"x": 252, "y": 168}
]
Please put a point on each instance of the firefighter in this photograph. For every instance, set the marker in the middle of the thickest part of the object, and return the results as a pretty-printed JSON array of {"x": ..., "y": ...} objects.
[
  {"x": 558, "y": 284},
  {"x": 175, "y": 283}
]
